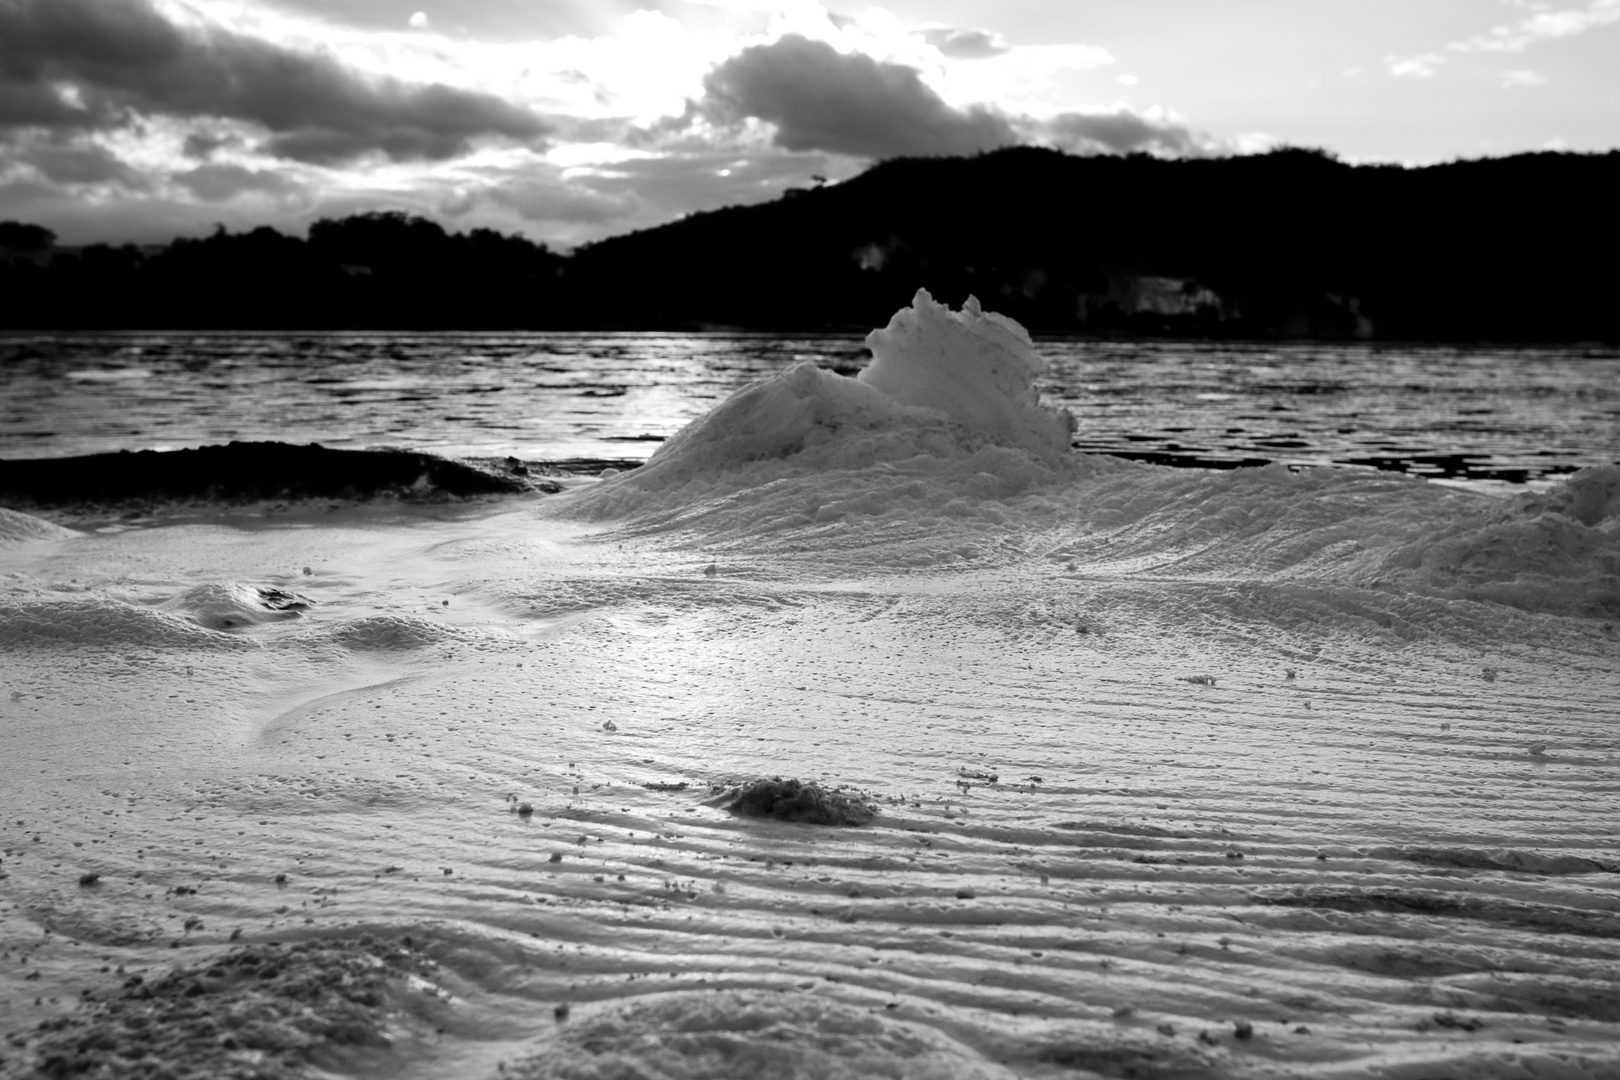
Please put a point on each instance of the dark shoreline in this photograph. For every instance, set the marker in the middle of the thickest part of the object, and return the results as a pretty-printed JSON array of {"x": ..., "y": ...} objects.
[
  {"x": 253, "y": 470},
  {"x": 109, "y": 486}
]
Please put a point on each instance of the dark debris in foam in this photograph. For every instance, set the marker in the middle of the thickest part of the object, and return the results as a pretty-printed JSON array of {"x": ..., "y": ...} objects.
[
  {"x": 797, "y": 800},
  {"x": 243, "y": 471},
  {"x": 264, "y": 1012}
]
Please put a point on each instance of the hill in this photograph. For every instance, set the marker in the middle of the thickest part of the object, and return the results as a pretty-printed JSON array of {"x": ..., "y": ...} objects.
[
  {"x": 1288, "y": 244},
  {"x": 1291, "y": 243}
]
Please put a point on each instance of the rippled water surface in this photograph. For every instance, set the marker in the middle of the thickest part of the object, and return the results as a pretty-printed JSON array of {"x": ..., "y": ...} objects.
[{"x": 1482, "y": 413}]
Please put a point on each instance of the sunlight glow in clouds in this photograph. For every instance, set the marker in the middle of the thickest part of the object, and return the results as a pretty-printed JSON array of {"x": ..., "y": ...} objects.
[{"x": 574, "y": 120}]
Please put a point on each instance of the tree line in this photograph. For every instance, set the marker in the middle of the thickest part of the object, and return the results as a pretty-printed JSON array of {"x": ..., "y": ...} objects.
[
  {"x": 368, "y": 271},
  {"x": 1294, "y": 243}
]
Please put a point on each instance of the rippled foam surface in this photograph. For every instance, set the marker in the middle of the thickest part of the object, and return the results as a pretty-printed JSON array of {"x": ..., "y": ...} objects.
[{"x": 1177, "y": 772}]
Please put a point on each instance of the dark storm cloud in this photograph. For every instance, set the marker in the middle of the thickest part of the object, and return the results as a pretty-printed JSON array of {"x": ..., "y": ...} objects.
[
  {"x": 821, "y": 99},
  {"x": 24, "y": 104},
  {"x": 73, "y": 163},
  {"x": 1117, "y": 132},
  {"x": 963, "y": 44},
  {"x": 122, "y": 58},
  {"x": 203, "y": 144},
  {"x": 219, "y": 182}
]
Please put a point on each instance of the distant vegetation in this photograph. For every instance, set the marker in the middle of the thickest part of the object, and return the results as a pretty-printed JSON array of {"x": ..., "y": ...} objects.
[
  {"x": 371, "y": 271},
  {"x": 1288, "y": 244}
]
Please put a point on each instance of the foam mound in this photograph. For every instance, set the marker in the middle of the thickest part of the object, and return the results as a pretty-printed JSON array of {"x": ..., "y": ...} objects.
[
  {"x": 977, "y": 367},
  {"x": 390, "y": 633},
  {"x": 946, "y": 392},
  {"x": 1590, "y": 496},
  {"x": 747, "y": 1034},
  {"x": 104, "y": 622},
  {"x": 227, "y": 605},
  {"x": 1554, "y": 551},
  {"x": 20, "y": 528},
  {"x": 798, "y": 800},
  {"x": 260, "y": 1012}
]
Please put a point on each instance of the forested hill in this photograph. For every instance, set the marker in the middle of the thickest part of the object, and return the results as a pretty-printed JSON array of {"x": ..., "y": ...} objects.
[{"x": 1291, "y": 244}]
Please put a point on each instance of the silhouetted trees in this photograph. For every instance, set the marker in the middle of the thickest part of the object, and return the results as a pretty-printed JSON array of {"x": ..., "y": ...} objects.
[
  {"x": 369, "y": 271},
  {"x": 17, "y": 238},
  {"x": 1291, "y": 243}
]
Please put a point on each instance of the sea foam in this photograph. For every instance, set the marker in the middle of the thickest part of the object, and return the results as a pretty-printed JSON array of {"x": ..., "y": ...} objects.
[
  {"x": 977, "y": 367},
  {"x": 946, "y": 391}
]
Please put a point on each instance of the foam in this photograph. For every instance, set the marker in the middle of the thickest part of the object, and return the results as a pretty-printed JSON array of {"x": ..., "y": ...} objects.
[
  {"x": 975, "y": 366},
  {"x": 748, "y": 1034},
  {"x": 949, "y": 392},
  {"x": 227, "y": 605},
  {"x": 940, "y": 454},
  {"x": 20, "y": 528},
  {"x": 103, "y": 622},
  {"x": 1590, "y": 496},
  {"x": 1557, "y": 551},
  {"x": 391, "y": 633}
]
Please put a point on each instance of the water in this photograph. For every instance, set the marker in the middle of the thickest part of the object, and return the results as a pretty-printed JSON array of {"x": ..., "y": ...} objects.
[
  {"x": 1474, "y": 414},
  {"x": 1178, "y": 772}
]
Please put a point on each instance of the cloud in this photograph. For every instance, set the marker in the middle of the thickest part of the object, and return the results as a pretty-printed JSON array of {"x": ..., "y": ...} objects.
[
  {"x": 707, "y": 179},
  {"x": 102, "y": 63},
  {"x": 202, "y": 145},
  {"x": 484, "y": 20},
  {"x": 73, "y": 163},
  {"x": 1422, "y": 66},
  {"x": 1542, "y": 26},
  {"x": 547, "y": 199},
  {"x": 963, "y": 44},
  {"x": 1521, "y": 80},
  {"x": 1121, "y": 131},
  {"x": 847, "y": 103},
  {"x": 222, "y": 182},
  {"x": 818, "y": 98},
  {"x": 1512, "y": 38}
]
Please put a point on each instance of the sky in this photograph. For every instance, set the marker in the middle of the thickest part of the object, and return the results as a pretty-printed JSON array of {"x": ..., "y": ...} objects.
[{"x": 572, "y": 120}]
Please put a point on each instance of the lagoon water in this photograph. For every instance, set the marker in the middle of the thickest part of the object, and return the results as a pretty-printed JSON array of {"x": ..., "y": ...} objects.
[
  {"x": 1259, "y": 771},
  {"x": 1469, "y": 412}
]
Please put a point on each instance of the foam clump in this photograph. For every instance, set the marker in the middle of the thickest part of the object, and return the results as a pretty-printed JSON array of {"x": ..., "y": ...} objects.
[
  {"x": 744, "y": 1034},
  {"x": 1592, "y": 495},
  {"x": 391, "y": 633},
  {"x": 102, "y": 622},
  {"x": 798, "y": 800},
  {"x": 18, "y": 528},
  {"x": 260, "y": 1012},
  {"x": 950, "y": 394},
  {"x": 977, "y": 367},
  {"x": 226, "y": 605}
]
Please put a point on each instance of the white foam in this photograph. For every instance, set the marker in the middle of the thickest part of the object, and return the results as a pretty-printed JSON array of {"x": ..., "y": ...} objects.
[
  {"x": 977, "y": 367},
  {"x": 18, "y": 528},
  {"x": 103, "y": 621},
  {"x": 946, "y": 391}
]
